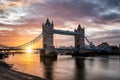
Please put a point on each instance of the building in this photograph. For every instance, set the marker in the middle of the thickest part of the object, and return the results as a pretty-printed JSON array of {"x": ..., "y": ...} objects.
[{"x": 108, "y": 48}]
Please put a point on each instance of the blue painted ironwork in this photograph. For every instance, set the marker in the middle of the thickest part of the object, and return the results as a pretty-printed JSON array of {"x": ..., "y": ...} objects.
[{"x": 63, "y": 32}]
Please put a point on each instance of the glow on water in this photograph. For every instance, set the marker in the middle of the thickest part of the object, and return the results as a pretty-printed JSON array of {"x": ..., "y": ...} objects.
[{"x": 67, "y": 68}]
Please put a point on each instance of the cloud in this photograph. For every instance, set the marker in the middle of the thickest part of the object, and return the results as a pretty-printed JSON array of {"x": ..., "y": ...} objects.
[
  {"x": 113, "y": 3},
  {"x": 5, "y": 28},
  {"x": 30, "y": 14},
  {"x": 5, "y": 4},
  {"x": 62, "y": 11},
  {"x": 110, "y": 36}
]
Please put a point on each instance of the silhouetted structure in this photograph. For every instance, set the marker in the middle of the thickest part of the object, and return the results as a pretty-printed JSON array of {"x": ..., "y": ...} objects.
[
  {"x": 48, "y": 37},
  {"x": 79, "y": 38},
  {"x": 48, "y": 31},
  {"x": 108, "y": 48}
]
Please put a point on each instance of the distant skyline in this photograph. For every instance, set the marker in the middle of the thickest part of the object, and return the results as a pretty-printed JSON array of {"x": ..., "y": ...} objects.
[{"x": 21, "y": 20}]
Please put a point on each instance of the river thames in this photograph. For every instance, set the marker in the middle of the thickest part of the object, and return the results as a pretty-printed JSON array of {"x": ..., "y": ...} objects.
[{"x": 67, "y": 67}]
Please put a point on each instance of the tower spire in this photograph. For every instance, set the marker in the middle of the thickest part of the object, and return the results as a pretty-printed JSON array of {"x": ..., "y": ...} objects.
[
  {"x": 79, "y": 26},
  {"x": 47, "y": 21}
]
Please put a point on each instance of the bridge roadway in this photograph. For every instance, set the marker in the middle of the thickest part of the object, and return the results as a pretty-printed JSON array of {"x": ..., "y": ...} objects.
[
  {"x": 39, "y": 49},
  {"x": 19, "y": 49}
]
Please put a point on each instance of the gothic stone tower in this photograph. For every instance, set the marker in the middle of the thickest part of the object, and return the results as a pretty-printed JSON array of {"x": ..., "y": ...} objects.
[
  {"x": 47, "y": 29},
  {"x": 79, "y": 39}
]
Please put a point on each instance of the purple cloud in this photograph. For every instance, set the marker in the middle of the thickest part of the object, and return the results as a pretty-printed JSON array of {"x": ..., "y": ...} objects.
[{"x": 16, "y": 14}]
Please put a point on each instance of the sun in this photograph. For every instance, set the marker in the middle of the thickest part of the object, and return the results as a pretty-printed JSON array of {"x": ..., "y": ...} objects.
[{"x": 29, "y": 50}]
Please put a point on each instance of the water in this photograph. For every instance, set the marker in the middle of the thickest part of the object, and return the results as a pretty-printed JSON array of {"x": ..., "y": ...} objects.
[{"x": 67, "y": 68}]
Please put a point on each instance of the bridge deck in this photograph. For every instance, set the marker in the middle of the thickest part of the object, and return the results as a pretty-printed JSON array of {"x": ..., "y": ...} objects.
[{"x": 63, "y": 32}]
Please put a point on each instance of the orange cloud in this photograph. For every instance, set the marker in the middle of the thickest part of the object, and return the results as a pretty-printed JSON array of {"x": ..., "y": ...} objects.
[{"x": 21, "y": 20}]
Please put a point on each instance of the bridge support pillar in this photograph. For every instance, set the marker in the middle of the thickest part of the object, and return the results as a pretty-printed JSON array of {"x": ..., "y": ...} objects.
[
  {"x": 79, "y": 39},
  {"x": 48, "y": 45}
]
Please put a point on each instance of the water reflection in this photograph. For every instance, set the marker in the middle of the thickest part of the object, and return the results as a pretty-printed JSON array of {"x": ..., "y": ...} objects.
[
  {"x": 48, "y": 67},
  {"x": 67, "y": 68},
  {"x": 79, "y": 69},
  {"x": 104, "y": 62}
]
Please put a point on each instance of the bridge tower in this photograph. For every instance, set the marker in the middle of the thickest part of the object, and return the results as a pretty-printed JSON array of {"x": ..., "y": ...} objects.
[
  {"x": 48, "y": 45},
  {"x": 79, "y": 39}
]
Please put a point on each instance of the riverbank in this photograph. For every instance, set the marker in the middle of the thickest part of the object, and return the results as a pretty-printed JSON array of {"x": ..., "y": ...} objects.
[
  {"x": 95, "y": 54},
  {"x": 6, "y": 73}
]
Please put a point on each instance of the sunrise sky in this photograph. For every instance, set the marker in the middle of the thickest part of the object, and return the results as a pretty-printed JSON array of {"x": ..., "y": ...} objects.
[{"x": 21, "y": 20}]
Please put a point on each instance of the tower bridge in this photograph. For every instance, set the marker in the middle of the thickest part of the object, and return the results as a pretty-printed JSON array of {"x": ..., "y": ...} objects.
[
  {"x": 48, "y": 39},
  {"x": 48, "y": 42}
]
